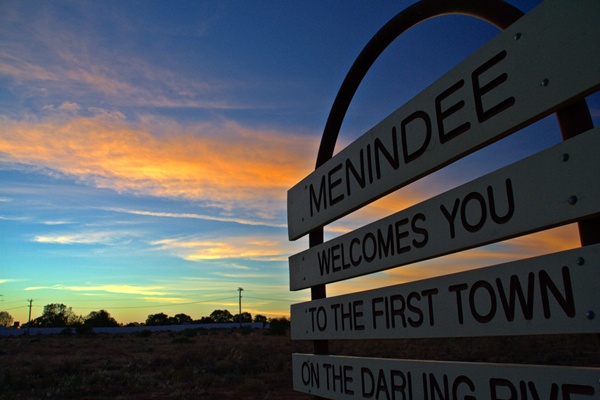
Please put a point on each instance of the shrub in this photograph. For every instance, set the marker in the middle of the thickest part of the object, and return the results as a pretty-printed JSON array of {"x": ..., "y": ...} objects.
[{"x": 144, "y": 333}]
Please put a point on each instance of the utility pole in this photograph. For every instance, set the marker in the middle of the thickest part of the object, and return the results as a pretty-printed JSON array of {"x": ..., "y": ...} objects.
[
  {"x": 240, "y": 313},
  {"x": 29, "y": 321}
]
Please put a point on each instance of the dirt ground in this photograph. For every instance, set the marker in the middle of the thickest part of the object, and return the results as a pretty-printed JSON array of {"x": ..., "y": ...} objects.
[{"x": 229, "y": 365}]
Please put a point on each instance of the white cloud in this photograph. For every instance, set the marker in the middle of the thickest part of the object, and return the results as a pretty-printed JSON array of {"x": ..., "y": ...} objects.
[{"x": 87, "y": 238}]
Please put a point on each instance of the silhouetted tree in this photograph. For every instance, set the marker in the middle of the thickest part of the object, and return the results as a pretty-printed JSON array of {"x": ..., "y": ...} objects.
[
  {"x": 221, "y": 316},
  {"x": 204, "y": 320},
  {"x": 102, "y": 318},
  {"x": 6, "y": 319},
  {"x": 246, "y": 317},
  {"x": 278, "y": 326},
  {"x": 57, "y": 316},
  {"x": 158, "y": 319},
  {"x": 181, "y": 319},
  {"x": 260, "y": 318}
]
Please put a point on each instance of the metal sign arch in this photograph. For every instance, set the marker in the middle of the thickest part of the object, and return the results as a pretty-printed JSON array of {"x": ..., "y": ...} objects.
[{"x": 573, "y": 119}]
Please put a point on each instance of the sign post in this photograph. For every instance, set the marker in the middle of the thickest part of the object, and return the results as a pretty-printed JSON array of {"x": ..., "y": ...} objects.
[{"x": 516, "y": 79}]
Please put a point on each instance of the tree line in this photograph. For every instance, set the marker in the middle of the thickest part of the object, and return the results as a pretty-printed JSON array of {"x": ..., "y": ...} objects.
[{"x": 60, "y": 316}]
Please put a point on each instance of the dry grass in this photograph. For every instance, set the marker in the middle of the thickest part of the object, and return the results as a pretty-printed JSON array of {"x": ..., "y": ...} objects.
[
  {"x": 228, "y": 365},
  {"x": 215, "y": 365}
]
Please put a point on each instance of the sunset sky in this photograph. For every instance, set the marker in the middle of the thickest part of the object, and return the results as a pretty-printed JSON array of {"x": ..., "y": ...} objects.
[{"x": 146, "y": 148}]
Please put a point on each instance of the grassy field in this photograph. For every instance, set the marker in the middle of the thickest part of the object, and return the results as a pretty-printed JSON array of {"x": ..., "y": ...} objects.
[{"x": 228, "y": 365}]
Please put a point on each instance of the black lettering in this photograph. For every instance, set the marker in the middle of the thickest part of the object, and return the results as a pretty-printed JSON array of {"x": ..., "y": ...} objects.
[
  {"x": 335, "y": 308},
  {"x": 429, "y": 294},
  {"x": 354, "y": 261},
  {"x": 335, "y": 255},
  {"x": 318, "y": 201},
  {"x": 510, "y": 202},
  {"x": 515, "y": 290},
  {"x": 480, "y": 91},
  {"x": 358, "y": 314},
  {"x": 536, "y": 396},
  {"x": 419, "y": 230},
  {"x": 483, "y": 318},
  {"x": 402, "y": 387},
  {"x": 324, "y": 261},
  {"x": 461, "y": 379},
  {"x": 366, "y": 372},
  {"x": 359, "y": 178},
  {"x": 569, "y": 389},
  {"x": 414, "y": 322},
  {"x": 459, "y": 308},
  {"x": 393, "y": 160},
  {"x": 451, "y": 216},
  {"x": 382, "y": 385},
  {"x": 327, "y": 368},
  {"x": 370, "y": 163},
  {"x": 345, "y": 265},
  {"x": 346, "y": 316},
  {"x": 333, "y": 183},
  {"x": 397, "y": 311},
  {"x": 463, "y": 212},
  {"x": 436, "y": 390},
  {"x": 310, "y": 374},
  {"x": 347, "y": 369},
  {"x": 401, "y": 234},
  {"x": 371, "y": 237},
  {"x": 566, "y": 302},
  {"x": 385, "y": 245},
  {"x": 422, "y": 115},
  {"x": 375, "y": 312},
  {"x": 499, "y": 383},
  {"x": 321, "y": 322},
  {"x": 312, "y": 315},
  {"x": 443, "y": 114}
]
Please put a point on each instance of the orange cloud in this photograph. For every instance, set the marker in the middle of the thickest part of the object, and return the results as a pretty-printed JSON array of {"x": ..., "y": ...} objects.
[
  {"x": 252, "y": 248},
  {"x": 221, "y": 164}
]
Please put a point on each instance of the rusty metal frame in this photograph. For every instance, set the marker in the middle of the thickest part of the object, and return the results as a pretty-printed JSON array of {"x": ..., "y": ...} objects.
[{"x": 573, "y": 119}]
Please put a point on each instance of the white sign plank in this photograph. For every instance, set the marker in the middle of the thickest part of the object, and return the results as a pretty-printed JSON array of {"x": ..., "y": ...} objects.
[
  {"x": 515, "y": 79},
  {"x": 552, "y": 294},
  {"x": 556, "y": 186},
  {"x": 376, "y": 378}
]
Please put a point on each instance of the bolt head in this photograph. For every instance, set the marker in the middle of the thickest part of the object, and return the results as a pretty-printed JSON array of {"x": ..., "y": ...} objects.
[{"x": 589, "y": 314}]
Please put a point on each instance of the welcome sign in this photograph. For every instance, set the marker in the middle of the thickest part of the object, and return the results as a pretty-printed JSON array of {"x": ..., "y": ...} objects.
[{"x": 543, "y": 63}]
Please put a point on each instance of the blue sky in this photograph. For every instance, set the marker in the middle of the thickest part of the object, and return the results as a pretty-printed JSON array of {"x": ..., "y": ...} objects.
[{"x": 146, "y": 148}]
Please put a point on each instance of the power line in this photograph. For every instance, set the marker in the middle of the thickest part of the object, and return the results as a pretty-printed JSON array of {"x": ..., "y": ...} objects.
[
  {"x": 240, "y": 312},
  {"x": 15, "y": 308},
  {"x": 29, "y": 321},
  {"x": 270, "y": 299},
  {"x": 161, "y": 304}
]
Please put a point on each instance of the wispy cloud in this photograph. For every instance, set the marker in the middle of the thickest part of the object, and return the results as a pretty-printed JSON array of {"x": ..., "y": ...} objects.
[
  {"x": 223, "y": 164},
  {"x": 84, "y": 68},
  {"x": 166, "y": 300},
  {"x": 250, "y": 248},
  {"x": 120, "y": 289},
  {"x": 56, "y": 222},
  {"x": 87, "y": 238},
  {"x": 9, "y": 280},
  {"x": 197, "y": 216}
]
